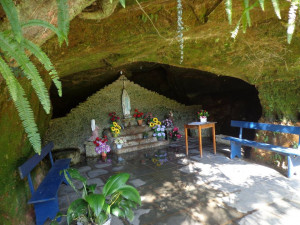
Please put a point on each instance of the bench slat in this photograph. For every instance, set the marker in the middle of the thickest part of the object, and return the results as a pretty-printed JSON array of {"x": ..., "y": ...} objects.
[
  {"x": 47, "y": 190},
  {"x": 34, "y": 160},
  {"x": 266, "y": 126},
  {"x": 275, "y": 148}
]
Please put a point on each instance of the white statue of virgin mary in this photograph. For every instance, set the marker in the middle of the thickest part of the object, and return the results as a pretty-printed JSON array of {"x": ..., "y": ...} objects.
[
  {"x": 126, "y": 104},
  {"x": 95, "y": 130}
]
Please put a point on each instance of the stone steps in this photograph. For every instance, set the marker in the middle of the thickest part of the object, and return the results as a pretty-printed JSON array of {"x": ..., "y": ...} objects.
[
  {"x": 140, "y": 141},
  {"x": 149, "y": 145}
]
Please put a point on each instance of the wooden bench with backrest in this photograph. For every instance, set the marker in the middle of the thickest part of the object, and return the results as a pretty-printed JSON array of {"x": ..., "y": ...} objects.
[
  {"x": 44, "y": 198},
  {"x": 293, "y": 155}
]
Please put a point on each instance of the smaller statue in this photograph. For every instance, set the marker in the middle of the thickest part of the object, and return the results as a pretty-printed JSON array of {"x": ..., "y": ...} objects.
[
  {"x": 95, "y": 130},
  {"x": 170, "y": 116}
]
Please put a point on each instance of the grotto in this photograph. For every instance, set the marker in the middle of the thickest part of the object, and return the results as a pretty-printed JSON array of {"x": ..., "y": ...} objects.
[{"x": 170, "y": 56}]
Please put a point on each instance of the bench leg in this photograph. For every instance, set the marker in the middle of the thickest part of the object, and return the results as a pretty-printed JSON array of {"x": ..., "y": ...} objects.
[
  {"x": 293, "y": 166},
  {"x": 45, "y": 210},
  {"x": 235, "y": 150}
]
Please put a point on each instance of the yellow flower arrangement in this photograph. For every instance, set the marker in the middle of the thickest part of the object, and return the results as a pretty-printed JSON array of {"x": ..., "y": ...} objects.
[
  {"x": 152, "y": 124},
  {"x": 115, "y": 129},
  {"x": 155, "y": 120}
]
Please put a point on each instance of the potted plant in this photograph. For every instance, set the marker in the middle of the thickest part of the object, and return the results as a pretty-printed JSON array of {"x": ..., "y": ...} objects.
[
  {"x": 159, "y": 132},
  {"x": 101, "y": 146},
  {"x": 174, "y": 134},
  {"x": 117, "y": 198},
  {"x": 119, "y": 142},
  {"x": 202, "y": 115},
  {"x": 145, "y": 134},
  {"x": 139, "y": 117}
]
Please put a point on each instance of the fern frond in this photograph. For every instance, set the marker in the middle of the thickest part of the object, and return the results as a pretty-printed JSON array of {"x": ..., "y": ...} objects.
[
  {"x": 122, "y": 3},
  {"x": 228, "y": 9},
  {"x": 292, "y": 18},
  {"x": 276, "y": 8},
  {"x": 18, "y": 95},
  {"x": 43, "y": 58},
  {"x": 244, "y": 23},
  {"x": 247, "y": 12},
  {"x": 63, "y": 19},
  {"x": 45, "y": 24},
  {"x": 235, "y": 32},
  {"x": 14, "y": 50},
  {"x": 12, "y": 15},
  {"x": 262, "y": 4}
]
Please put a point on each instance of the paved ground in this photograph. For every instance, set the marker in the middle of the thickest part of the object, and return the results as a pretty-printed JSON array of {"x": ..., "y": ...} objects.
[{"x": 193, "y": 190}]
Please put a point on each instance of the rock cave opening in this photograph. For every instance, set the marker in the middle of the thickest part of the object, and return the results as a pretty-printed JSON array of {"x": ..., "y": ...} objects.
[{"x": 225, "y": 98}]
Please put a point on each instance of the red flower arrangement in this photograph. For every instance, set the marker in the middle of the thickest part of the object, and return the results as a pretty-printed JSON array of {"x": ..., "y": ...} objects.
[
  {"x": 113, "y": 117},
  {"x": 138, "y": 115}
]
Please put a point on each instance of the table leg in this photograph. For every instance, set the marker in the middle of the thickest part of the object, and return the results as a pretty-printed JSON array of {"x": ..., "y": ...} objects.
[
  {"x": 200, "y": 140},
  {"x": 186, "y": 141},
  {"x": 214, "y": 138}
]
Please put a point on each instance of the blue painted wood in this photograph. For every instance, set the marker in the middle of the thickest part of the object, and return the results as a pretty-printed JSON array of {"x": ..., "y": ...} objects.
[
  {"x": 235, "y": 150},
  {"x": 266, "y": 126},
  {"x": 31, "y": 163},
  {"x": 45, "y": 199},
  {"x": 47, "y": 190},
  {"x": 293, "y": 155},
  {"x": 275, "y": 148}
]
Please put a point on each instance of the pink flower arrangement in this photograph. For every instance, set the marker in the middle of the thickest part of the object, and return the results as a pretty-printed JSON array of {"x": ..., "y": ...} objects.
[
  {"x": 174, "y": 134},
  {"x": 101, "y": 145}
]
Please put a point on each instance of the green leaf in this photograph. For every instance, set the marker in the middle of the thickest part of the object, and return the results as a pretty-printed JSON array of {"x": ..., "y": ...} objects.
[
  {"x": 122, "y": 3},
  {"x": 96, "y": 202},
  {"x": 67, "y": 176},
  {"x": 12, "y": 15},
  {"x": 63, "y": 19},
  {"x": 106, "y": 208},
  {"x": 228, "y": 9},
  {"x": 14, "y": 50},
  {"x": 43, "y": 58},
  {"x": 247, "y": 12},
  {"x": 117, "y": 212},
  {"x": 114, "y": 183},
  {"x": 74, "y": 173},
  {"x": 76, "y": 209},
  {"x": 91, "y": 188},
  {"x": 262, "y": 4},
  {"x": 41, "y": 23},
  {"x": 130, "y": 193},
  {"x": 23, "y": 107},
  {"x": 276, "y": 8},
  {"x": 129, "y": 214}
]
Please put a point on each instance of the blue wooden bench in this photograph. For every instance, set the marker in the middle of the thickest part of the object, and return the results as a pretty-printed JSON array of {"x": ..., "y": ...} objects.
[
  {"x": 44, "y": 198},
  {"x": 293, "y": 155}
]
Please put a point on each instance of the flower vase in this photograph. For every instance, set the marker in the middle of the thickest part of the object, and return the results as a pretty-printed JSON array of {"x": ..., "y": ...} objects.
[
  {"x": 140, "y": 122},
  {"x": 159, "y": 138},
  {"x": 119, "y": 146},
  {"x": 203, "y": 119},
  {"x": 103, "y": 154}
]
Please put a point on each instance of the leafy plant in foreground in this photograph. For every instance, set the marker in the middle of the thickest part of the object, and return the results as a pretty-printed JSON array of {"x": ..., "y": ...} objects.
[
  {"x": 117, "y": 198},
  {"x": 13, "y": 46}
]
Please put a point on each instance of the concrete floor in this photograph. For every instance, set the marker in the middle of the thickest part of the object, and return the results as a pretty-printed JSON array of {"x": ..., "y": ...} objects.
[{"x": 193, "y": 190}]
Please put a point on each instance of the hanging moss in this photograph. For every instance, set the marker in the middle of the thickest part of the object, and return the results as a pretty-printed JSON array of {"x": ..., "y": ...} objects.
[{"x": 281, "y": 99}]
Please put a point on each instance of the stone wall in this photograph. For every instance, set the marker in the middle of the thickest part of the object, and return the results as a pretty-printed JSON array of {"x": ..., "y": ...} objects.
[{"x": 74, "y": 129}]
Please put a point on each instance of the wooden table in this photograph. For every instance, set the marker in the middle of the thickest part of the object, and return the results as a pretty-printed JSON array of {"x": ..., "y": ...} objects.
[{"x": 199, "y": 126}]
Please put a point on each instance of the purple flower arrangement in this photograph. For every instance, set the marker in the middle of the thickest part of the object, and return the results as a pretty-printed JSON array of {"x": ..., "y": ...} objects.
[{"x": 167, "y": 123}]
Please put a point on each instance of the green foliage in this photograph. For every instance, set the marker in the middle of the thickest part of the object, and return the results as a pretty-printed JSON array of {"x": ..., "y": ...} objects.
[
  {"x": 117, "y": 198},
  {"x": 246, "y": 20},
  {"x": 13, "y": 46}
]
